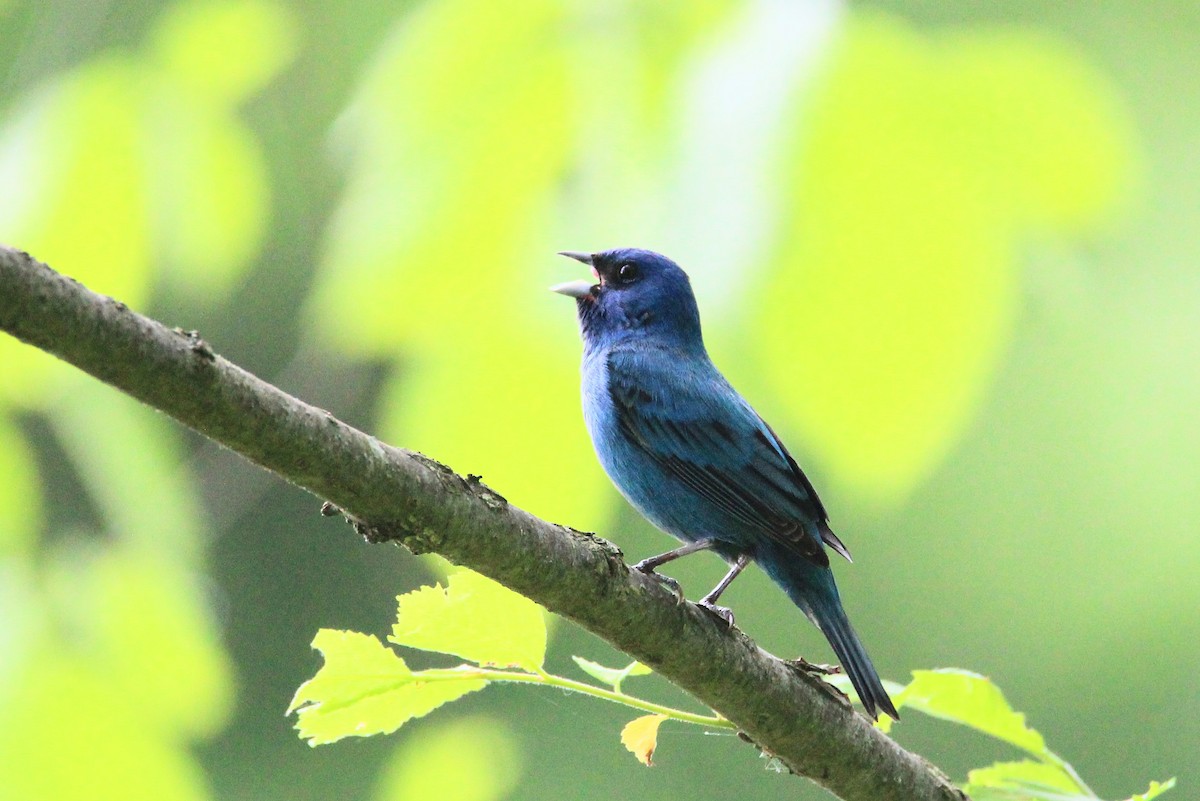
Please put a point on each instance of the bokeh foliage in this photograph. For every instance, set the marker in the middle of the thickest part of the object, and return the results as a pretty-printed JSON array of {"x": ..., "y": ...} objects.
[{"x": 966, "y": 301}]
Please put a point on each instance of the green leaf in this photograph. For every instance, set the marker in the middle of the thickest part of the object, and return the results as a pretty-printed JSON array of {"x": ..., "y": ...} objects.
[
  {"x": 208, "y": 173},
  {"x": 505, "y": 406},
  {"x": 224, "y": 50},
  {"x": 364, "y": 688},
  {"x": 611, "y": 676},
  {"x": 20, "y": 492},
  {"x": 475, "y": 759},
  {"x": 474, "y": 618},
  {"x": 1027, "y": 776},
  {"x": 210, "y": 185},
  {"x": 922, "y": 164},
  {"x": 132, "y": 464},
  {"x": 843, "y": 683},
  {"x": 59, "y": 711},
  {"x": 144, "y": 624},
  {"x": 462, "y": 124},
  {"x": 972, "y": 700},
  {"x": 74, "y": 144},
  {"x": 1155, "y": 790}
]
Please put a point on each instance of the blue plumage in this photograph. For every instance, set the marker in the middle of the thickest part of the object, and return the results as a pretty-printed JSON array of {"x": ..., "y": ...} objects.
[{"x": 691, "y": 454}]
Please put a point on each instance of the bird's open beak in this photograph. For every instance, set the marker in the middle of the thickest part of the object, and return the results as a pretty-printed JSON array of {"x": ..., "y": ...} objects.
[
  {"x": 574, "y": 289},
  {"x": 586, "y": 258},
  {"x": 580, "y": 288}
]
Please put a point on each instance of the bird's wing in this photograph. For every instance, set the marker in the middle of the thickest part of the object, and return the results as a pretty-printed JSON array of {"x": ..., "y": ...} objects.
[{"x": 695, "y": 425}]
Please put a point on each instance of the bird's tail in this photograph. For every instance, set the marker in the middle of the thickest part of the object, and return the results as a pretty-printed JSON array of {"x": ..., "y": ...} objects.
[
  {"x": 812, "y": 589},
  {"x": 853, "y": 656}
]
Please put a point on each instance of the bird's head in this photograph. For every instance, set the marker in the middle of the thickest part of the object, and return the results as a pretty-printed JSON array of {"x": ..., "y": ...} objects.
[{"x": 634, "y": 294}]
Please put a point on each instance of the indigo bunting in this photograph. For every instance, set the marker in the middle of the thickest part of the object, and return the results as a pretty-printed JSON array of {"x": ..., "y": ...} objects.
[{"x": 693, "y": 457}]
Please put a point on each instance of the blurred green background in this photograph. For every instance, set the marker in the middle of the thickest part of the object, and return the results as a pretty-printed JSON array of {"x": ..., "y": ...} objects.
[{"x": 948, "y": 249}]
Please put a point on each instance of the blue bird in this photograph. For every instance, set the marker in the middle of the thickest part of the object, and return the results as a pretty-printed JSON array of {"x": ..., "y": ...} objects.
[{"x": 692, "y": 456}]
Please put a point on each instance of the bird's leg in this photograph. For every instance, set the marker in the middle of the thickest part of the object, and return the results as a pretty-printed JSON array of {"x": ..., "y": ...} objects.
[
  {"x": 709, "y": 602},
  {"x": 648, "y": 566}
]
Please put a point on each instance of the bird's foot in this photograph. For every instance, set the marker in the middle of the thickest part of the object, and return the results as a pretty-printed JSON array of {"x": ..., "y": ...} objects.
[
  {"x": 669, "y": 583},
  {"x": 809, "y": 667},
  {"x": 722, "y": 613}
]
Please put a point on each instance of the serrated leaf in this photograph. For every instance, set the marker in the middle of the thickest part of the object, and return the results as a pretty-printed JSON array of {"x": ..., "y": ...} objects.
[
  {"x": 611, "y": 676},
  {"x": 364, "y": 688},
  {"x": 1026, "y": 776},
  {"x": 475, "y": 618},
  {"x": 356, "y": 665},
  {"x": 972, "y": 700},
  {"x": 640, "y": 737},
  {"x": 1031, "y": 793},
  {"x": 1155, "y": 790}
]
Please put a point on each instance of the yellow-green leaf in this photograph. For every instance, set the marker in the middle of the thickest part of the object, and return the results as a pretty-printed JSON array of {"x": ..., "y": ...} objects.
[
  {"x": 224, "y": 50},
  {"x": 458, "y": 133},
  {"x": 921, "y": 164},
  {"x": 74, "y": 145},
  {"x": 143, "y": 621},
  {"x": 210, "y": 185},
  {"x": 475, "y": 759},
  {"x": 131, "y": 462},
  {"x": 505, "y": 405},
  {"x": 69, "y": 735},
  {"x": 474, "y": 618},
  {"x": 1023, "y": 775},
  {"x": 1155, "y": 790},
  {"x": 972, "y": 700},
  {"x": 20, "y": 492},
  {"x": 640, "y": 737},
  {"x": 364, "y": 688}
]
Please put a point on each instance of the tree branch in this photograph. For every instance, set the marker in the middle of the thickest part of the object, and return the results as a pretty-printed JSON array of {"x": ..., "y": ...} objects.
[{"x": 401, "y": 496}]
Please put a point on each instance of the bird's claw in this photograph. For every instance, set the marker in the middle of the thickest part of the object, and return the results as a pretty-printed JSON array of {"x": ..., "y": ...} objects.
[
  {"x": 722, "y": 613},
  {"x": 666, "y": 581}
]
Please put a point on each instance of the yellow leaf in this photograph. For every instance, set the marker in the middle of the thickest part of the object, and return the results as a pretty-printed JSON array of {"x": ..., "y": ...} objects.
[{"x": 640, "y": 736}]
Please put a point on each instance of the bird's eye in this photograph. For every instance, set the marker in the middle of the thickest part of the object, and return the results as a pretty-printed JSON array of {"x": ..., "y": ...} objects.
[{"x": 628, "y": 273}]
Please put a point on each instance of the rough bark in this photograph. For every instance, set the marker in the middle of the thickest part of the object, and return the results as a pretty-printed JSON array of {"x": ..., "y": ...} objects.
[{"x": 397, "y": 495}]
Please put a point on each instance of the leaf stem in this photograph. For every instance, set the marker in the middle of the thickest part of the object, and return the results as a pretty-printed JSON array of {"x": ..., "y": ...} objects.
[{"x": 571, "y": 685}]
